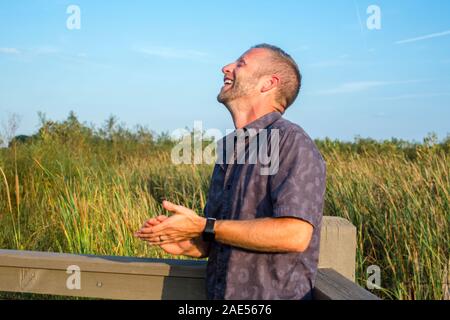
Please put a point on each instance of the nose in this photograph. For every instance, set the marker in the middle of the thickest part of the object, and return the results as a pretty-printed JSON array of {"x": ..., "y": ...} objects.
[{"x": 228, "y": 68}]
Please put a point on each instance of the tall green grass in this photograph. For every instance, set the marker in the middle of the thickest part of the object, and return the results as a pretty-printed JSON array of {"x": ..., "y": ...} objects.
[
  {"x": 401, "y": 210},
  {"x": 75, "y": 189}
]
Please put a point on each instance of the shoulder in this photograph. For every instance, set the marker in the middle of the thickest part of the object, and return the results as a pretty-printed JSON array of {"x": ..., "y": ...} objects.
[
  {"x": 294, "y": 133},
  {"x": 295, "y": 141},
  {"x": 288, "y": 128}
]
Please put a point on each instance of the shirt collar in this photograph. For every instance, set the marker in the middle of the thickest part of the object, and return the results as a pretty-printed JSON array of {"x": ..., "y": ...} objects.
[
  {"x": 259, "y": 124},
  {"x": 264, "y": 121}
]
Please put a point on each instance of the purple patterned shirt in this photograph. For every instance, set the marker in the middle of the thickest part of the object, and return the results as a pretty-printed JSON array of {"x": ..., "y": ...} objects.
[{"x": 241, "y": 192}]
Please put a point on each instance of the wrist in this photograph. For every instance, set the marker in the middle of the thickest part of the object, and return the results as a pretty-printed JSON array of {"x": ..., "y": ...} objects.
[
  {"x": 217, "y": 227},
  {"x": 201, "y": 226}
]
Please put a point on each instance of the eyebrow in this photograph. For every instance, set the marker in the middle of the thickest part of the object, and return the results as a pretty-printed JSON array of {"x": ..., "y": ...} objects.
[{"x": 241, "y": 59}]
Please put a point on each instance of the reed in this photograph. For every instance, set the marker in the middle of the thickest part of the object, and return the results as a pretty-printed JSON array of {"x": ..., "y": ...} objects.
[{"x": 77, "y": 191}]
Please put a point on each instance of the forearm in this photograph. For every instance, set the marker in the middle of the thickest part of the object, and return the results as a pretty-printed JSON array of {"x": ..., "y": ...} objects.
[{"x": 265, "y": 235}]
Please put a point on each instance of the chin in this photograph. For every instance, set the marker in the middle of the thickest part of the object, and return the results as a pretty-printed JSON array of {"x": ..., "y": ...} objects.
[{"x": 222, "y": 97}]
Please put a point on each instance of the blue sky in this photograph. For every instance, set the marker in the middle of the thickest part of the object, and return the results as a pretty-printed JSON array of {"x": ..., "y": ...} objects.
[{"x": 157, "y": 63}]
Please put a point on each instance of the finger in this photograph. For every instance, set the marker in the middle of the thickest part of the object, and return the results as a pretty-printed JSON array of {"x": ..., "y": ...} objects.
[
  {"x": 163, "y": 239},
  {"x": 160, "y": 226},
  {"x": 168, "y": 241},
  {"x": 141, "y": 231},
  {"x": 145, "y": 230},
  {"x": 162, "y": 244},
  {"x": 143, "y": 236},
  {"x": 148, "y": 235},
  {"x": 171, "y": 207},
  {"x": 162, "y": 218},
  {"x": 163, "y": 226},
  {"x": 159, "y": 239},
  {"x": 155, "y": 221},
  {"x": 150, "y": 223},
  {"x": 154, "y": 235}
]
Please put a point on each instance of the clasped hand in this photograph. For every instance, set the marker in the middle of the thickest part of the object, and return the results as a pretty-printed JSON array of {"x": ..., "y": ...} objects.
[{"x": 183, "y": 225}]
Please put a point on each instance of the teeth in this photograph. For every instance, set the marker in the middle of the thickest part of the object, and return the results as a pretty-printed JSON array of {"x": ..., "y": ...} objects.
[{"x": 228, "y": 81}]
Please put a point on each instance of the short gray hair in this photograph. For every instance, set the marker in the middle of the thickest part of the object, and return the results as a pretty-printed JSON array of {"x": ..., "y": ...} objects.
[{"x": 288, "y": 71}]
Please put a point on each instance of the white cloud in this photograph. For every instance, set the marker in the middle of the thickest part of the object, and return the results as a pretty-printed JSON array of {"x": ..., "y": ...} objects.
[
  {"x": 352, "y": 87},
  {"x": 55, "y": 52},
  {"x": 415, "y": 96},
  {"x": 41, "y": 50},
  {"x": 9, "y": 50},
  {"x": 172, "y": 53},
  {"x": 46, "y": 50},
  {"x": 426, "y": 37}
]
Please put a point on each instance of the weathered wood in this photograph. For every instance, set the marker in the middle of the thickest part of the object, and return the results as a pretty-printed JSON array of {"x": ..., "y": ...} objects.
[
  {"x": 102, "y": 276},
  {"x": 331, "y": 285},
  {"x": 110, "y": 264},
  {"x": 338, "y": 246}
]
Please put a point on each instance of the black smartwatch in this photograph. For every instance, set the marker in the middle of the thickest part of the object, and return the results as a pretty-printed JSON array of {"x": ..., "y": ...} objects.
[{"x": 209, "y": 234}]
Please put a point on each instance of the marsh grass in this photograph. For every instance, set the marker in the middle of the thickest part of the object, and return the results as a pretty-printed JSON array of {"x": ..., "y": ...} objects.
[
  {"x": 74, "y": 189},
  {"x": 401, "y": 210}
]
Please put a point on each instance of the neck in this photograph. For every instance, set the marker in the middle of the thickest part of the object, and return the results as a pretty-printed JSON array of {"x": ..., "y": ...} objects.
[{"x": 244, "y": 113}]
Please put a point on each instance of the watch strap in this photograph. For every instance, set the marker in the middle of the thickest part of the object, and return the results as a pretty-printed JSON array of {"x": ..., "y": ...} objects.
[{"x": 208, "y": 233}]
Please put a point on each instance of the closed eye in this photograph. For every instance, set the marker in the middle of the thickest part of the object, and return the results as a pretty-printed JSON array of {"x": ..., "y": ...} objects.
[{"x": 241, "y": 63}]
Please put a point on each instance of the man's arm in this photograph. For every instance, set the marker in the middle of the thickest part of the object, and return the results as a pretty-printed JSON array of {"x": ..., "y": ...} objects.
[
  {"x": 266, "y": 235},
  {"x": 263, "y": 235}
]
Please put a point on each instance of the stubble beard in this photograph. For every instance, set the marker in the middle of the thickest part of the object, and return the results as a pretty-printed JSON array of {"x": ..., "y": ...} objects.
[{"x": 240, "y": 88}]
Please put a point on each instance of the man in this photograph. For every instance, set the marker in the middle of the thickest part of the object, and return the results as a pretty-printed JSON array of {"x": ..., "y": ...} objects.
[{"x": 264, "y": 243}]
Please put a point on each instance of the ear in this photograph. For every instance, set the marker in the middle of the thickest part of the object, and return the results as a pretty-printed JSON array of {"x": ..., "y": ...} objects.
[{"x": 270, "y": 83}]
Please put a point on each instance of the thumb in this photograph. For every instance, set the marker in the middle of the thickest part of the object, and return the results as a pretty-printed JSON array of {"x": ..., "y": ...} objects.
[{"x": 173, "y": 208}]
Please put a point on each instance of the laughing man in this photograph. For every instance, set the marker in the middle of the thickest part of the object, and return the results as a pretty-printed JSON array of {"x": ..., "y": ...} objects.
[{"x": 260, "y": 232}]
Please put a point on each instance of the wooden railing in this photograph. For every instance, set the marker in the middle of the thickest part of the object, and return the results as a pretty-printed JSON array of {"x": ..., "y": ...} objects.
[{"x": 156, "y": 279}]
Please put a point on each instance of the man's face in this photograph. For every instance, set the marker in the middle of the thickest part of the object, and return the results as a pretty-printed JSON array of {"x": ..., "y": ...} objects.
[{"x": 242, "y": 76}]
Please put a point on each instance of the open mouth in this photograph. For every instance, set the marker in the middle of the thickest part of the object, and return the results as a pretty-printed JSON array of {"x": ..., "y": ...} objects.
[{"x": 228, "y": 82}]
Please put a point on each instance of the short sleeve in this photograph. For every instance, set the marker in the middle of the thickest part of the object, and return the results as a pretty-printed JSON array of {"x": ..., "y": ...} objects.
[{"x": 298, "y": 188}]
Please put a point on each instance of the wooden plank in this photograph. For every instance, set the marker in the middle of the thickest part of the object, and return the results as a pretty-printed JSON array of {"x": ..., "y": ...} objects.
[
  {"x": 331, "y": 285},
  {"x": 104, "y": 264},
  {"x": 101, "y": 285},
  {"x": 102, "y": 276}
]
